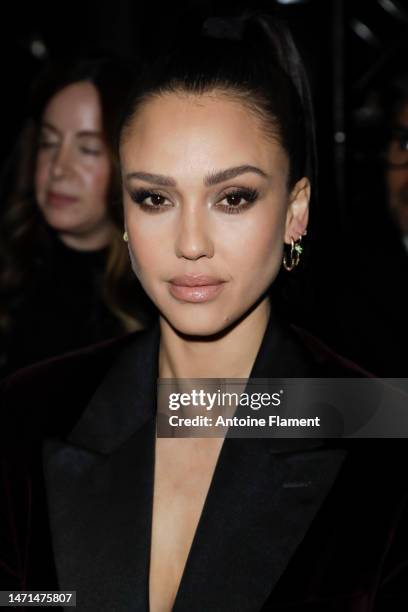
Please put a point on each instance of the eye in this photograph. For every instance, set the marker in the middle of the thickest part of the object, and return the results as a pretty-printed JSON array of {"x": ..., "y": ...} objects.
[
  {"x": 151, "y": 201},
  {"x": 46, "y": 144},
  {"x": 238, "y": 200},
  {"x": 90, "y": 146},
  {"x": 89, "y": 151}
]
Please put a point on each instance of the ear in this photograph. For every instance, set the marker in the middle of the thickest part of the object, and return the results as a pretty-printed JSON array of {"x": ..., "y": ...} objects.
[{"x": 297, "y": 214}]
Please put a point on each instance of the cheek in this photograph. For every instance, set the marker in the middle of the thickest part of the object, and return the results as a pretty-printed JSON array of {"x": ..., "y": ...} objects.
[
  {"x": 147, "y": 255},
  {"x": 255, "y": 250},
  {"x": 41, "y": 175},
  {"x": 151, "y": 240},
  {"x": 95, "y": 179},
  {"x": 247, "y": 247}
]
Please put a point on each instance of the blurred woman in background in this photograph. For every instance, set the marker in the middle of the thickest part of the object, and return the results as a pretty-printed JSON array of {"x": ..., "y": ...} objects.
[{"x": 65, "y": 280}]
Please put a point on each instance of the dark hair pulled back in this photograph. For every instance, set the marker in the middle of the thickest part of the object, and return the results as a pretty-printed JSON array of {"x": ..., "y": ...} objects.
[{"x": 252, "y": 57}]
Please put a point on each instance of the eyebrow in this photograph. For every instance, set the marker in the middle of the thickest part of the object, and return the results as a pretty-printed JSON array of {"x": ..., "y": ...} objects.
[
  {"x": 211, "y": 179},
  {"x": 82, "y": 133}
]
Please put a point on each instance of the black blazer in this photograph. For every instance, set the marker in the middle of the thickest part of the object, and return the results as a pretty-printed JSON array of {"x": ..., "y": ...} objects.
[{"x": 295, "y": 525}]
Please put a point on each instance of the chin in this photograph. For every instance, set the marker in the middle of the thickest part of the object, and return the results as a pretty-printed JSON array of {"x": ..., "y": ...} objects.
[
  {"x": 196, "y": 323},
  {"x": 60, "y": 227},
  {"x": 59, "y": 222},
  {"x": 64, "y": 224}
]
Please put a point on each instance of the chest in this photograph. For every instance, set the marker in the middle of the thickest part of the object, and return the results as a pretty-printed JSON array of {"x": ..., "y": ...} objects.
[{"x": 182, "y": 478}]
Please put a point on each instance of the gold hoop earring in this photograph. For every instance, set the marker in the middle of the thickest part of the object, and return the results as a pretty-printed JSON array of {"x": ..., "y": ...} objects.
[
  {"x": 294, "y": 255},
  {"x": 125, "y": 237}
]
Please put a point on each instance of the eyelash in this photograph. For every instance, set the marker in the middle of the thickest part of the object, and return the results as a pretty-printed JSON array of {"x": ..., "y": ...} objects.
[
  {"x": 250, "y": 195},
  {"x": 49, "y": 145},
  {"x": 90, "y": 151}
]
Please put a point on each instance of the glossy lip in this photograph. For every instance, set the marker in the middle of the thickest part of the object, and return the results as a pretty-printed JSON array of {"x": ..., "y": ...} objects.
[
  {"x": 195, "y": 280},
  {"x": 195, "y": 288},
  {"x": 60, "y": 199}
]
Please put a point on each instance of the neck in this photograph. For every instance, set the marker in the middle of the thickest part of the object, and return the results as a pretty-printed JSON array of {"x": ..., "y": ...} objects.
[
  {"x": 228, "y": 355},
  {"x": 97, "y": 239}
]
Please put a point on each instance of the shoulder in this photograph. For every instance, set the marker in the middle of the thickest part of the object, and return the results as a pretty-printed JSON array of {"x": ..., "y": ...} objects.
[
  {"x": 48, "y": 397},
  {"x": 324, "y": 361}
]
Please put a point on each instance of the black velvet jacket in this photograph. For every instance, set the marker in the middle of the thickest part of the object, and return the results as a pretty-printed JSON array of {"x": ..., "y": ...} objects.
[{"x": 294, "y": 525}]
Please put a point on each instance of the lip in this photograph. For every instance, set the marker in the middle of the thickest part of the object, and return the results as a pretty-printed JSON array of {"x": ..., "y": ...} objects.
[
  {"x": 195, "y": 288},
  {"x": 60, "y": 199}
]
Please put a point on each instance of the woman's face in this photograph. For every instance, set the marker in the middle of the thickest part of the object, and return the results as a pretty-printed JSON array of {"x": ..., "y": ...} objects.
[
  {"x": 73, "y": 167},
  {"x": 206, "y": 208}
]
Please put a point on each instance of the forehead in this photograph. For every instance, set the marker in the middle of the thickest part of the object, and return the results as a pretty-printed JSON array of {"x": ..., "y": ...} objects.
[
  {"x": 75, "y": 107},
  {"x": 207, "y": 129}
]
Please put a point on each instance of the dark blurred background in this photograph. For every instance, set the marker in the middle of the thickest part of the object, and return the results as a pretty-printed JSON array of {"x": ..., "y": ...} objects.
[{"x": 352, "y": 296}]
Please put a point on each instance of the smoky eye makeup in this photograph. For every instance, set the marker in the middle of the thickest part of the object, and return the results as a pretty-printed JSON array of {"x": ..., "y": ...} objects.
[
  {"x": 149, "y": 200},
  {"x": 232, "y": 201},
  {"x": 237, "y": 200}
]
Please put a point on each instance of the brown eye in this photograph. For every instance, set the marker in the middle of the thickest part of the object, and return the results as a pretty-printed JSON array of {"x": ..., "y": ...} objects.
[
  {"x": 238, "y": 200},
  {"x": 157, "y": 199},
  {"x": 234, "y": 199},
  {"x": 150, "y": 201}
]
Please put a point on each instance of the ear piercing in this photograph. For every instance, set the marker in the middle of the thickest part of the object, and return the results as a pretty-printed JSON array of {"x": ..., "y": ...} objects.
[
  {"x": 291, "y": 259},
  {"x": 125, "y": 236}
]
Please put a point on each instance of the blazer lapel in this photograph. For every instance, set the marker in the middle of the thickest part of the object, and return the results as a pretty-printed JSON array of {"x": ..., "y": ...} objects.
[
  {"x": 263, "y": 498},
  {"x": 100, "y": 515},
  {"x": 99, "y": 486},
  {"x": 257, "y": 512}
]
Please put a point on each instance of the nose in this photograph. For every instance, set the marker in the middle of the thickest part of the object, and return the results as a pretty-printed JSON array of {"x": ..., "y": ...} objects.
[
  {"x": 193, "y": 238},
  {"x": 61, "y": 162}
]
